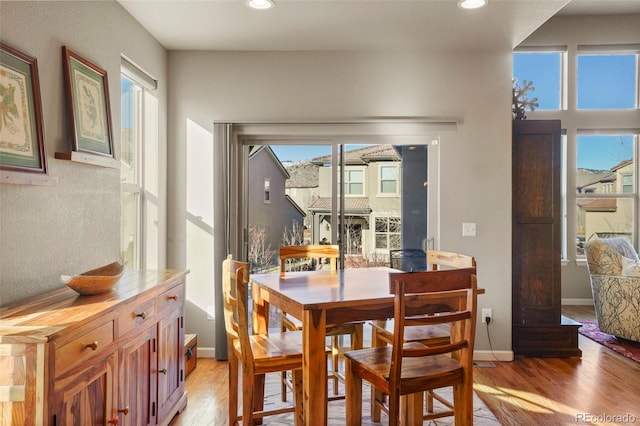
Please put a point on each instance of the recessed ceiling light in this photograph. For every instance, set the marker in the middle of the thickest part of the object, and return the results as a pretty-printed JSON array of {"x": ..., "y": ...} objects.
[
  {"x": 260, "y": 4},
  {"x": 472, "y": 4}
]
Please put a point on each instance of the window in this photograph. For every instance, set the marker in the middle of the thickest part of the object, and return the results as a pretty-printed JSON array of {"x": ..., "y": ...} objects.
[
  {"x": 605, "y": 196},
  {"x": 607, "y": 81},
  {"x": 139, "y": 189},
  {"x": 354, "y": 182},
  {"x": 605, "y": 171},
  {"x": 267, "y": 191},
  {"x": 388, "y": 180},
  {"x": 388, "y": 233},
  {"x": 544, "y": 69}
]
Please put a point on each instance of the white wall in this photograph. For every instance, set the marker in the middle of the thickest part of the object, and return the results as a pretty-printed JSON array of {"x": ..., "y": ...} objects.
[
  {"x": 316, "y": 86},
  {"x": 571, "y": 32},
  {"x": 74, "y": 226}
]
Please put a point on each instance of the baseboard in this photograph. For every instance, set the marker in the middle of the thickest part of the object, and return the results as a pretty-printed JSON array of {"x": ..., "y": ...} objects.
[
  {"x": 206, "y": 352},
  {"x": 491, "y": 356},
  {"x": 577, "y": 302}
]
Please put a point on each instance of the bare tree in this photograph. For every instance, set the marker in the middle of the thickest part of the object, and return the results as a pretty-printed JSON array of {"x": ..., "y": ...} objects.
[
  {"x": 293, "y": 236},
  {"x": 260, "y": 253}
]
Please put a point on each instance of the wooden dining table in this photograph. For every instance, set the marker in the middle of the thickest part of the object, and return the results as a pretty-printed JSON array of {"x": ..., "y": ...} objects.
[{"x": 318, "y": 298}]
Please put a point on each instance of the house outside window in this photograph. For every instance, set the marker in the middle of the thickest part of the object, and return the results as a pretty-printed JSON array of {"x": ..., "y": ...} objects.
[
  {"x": 354, "y": 182},
  {"x": 267, "y": 190},
  {"x": 388, "y": 180},
  {"x": 388, "y": 233}
]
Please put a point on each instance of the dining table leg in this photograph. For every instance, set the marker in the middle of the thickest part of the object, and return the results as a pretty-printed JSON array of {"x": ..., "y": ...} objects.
[{"x": 314, "y": 367}]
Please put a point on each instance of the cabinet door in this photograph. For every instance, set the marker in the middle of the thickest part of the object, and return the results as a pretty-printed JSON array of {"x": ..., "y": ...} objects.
[
  {"x": 536, "y": 222},
  {"x": 137, "y": 380},
  {"x": 87, "y": 398},
  {"x": 170, "y": 369}
]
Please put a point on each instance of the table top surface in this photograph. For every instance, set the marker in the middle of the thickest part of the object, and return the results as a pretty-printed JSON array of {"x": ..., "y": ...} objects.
[{"x": 322, "y": 289}]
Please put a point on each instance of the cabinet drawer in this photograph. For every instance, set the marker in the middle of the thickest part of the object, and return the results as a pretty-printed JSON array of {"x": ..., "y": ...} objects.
[
  {"x": 171, "y": 298},
  {"x": 138, "y": 314},
  {"x": 83, "y": 347}
]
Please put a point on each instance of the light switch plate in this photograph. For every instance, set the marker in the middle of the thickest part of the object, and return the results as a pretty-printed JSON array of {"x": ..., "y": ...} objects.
[{"x": 468, "y": 229}]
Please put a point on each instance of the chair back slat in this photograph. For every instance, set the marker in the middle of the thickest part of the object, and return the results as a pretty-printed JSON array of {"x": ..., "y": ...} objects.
[
  {"x": 235, "y": 279},
  {"x": 229, "y": 300},
  {"x": 434, "y": 350},
  {"x": 422, "y": 282},
  {"x": 321, "y": 251}
]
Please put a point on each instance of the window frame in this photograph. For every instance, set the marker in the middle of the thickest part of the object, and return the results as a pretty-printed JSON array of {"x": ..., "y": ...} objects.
[
  {"x": 145, "y": 86},
  {"x": 395, "y": 193},
  {"x": 577, "y": 122}
]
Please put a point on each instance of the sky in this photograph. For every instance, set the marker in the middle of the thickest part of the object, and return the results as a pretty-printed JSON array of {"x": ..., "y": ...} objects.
[{"x": 604, "y": 82}]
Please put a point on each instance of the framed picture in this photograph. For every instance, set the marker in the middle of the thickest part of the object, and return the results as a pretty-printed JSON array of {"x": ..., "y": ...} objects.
[
  {"x": 88, "y": 104},
  {"x": 21, "y": 133}
]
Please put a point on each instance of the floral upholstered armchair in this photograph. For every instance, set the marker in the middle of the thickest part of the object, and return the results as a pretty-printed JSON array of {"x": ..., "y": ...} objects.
[{"x": 614, "y": 270}]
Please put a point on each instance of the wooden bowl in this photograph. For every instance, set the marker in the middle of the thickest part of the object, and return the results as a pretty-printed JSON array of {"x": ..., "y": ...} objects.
[{"x": 95, "y": 281}]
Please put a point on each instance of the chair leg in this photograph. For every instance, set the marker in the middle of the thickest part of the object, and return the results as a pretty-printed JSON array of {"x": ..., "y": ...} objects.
[
  {"x": 394, "y": 409},
  {"x": 463, "y": 404},
  {"x": 335, "y": 353},
  {"x": 283, "y": 386},
  {"x": 233, "y": 389},
  {"x": 376, "y": 395},
  {"x": 429, "y": 399},
  {"x": 283, "y": 378},
  {"x": 247, "y": 396},
  {"x": 298, "y": 395},
  {"x": 414, "y": 408},
  {"x": 353, "y": 396}
]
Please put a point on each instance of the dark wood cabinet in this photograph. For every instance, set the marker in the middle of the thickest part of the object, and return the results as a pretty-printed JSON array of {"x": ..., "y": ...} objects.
[{"x": 539, "y": 329}]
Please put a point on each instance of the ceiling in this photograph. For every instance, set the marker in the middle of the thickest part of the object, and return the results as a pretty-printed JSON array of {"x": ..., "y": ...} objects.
[{"x": 310, "y": 25}]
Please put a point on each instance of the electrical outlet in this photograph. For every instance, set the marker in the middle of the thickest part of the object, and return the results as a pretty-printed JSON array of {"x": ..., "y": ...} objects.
[
  {"x": 468, "y": 229},
  {"x": 487, "y": 313}
]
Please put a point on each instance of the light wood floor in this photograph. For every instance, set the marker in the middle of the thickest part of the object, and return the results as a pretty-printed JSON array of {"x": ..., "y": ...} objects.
[{"x": 527, "y": 391}]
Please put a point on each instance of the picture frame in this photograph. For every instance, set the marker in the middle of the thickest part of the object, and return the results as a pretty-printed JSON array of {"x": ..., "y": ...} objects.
[
  {"x": 21, "y": 128},
  {"x": 89, "y": 111}
]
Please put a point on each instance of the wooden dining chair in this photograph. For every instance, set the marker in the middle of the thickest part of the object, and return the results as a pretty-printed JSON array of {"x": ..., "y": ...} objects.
[
  {"x": 429, "y": 335},
  {"x": 320, "y": 253},
  {"x": 409, "y": 369},
  {"x": 257, "y": 354}
]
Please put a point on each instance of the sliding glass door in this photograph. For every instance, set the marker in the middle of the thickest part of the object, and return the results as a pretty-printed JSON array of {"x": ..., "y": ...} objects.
[{"x": 369, "y": 199}]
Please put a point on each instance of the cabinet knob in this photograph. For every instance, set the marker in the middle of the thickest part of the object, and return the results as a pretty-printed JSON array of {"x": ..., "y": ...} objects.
[
  {"x": 142, "y": 315},
  {"x": 93, "y": 345},
  {"x": 174, "y": 297},
  {"x": 124, "y": 411},
  {"x": 113, "y": 421},
  {"x": 163, "y": 371}
]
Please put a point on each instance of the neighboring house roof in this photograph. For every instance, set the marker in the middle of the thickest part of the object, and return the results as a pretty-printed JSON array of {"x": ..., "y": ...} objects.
[
  {"x": 586, "y": 177},
  {"x": 621, "y": 164},
  {"x": 303, "y": 175},
  {"x": 600, "y": 205},
  {"x": 259, "y": 148},
  {"x": 364, "y": 155},
  {"x": 351, "y": 205},
  {"x": 295, "y": 205}
]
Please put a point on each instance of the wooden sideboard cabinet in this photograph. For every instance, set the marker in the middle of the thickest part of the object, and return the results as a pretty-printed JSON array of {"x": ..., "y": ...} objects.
[{"x": 114, "y": 358}]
